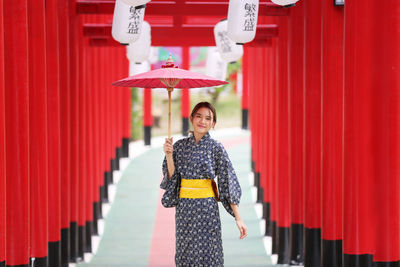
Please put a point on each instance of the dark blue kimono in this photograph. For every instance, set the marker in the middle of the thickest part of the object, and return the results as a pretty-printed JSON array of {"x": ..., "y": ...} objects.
[{"x": 198, "y": 225}]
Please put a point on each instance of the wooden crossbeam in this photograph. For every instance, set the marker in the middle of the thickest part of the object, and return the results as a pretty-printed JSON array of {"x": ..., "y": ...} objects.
[{"x": 179, "y": 7}]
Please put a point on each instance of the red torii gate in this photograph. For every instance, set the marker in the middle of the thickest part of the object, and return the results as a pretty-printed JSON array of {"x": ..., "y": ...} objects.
[{"x": 89, "y": 138}]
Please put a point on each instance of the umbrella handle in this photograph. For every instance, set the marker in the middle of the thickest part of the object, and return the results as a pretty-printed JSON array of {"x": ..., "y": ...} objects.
[{"x": 169, "y": 111}]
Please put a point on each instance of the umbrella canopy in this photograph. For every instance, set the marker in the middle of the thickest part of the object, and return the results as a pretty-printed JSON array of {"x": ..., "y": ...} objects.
[{"x": 169, "y": 77}]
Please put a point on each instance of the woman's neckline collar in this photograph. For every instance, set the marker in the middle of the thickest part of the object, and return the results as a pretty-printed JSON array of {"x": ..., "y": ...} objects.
[{"x": 206, "y": 136}]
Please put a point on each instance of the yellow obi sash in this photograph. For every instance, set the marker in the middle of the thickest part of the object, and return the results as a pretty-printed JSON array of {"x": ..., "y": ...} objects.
[{"x": 196, "y": 188}]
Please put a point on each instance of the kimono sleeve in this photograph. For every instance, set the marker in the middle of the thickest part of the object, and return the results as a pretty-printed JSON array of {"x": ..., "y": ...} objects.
[
  {"x": 228, "y": 185},
  {"x": 170, "y": 185}
]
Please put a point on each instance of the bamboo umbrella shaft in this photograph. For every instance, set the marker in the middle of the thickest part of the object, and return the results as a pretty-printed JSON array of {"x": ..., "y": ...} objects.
[{"x": 169, "y": 111}]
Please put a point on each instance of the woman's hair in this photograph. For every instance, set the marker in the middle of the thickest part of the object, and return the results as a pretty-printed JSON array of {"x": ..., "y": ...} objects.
[{"x": 205, "y": 105}]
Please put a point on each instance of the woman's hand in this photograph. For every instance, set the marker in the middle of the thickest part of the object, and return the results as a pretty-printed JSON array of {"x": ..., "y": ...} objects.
[
  {"x": 242, "y": 228},
  {"x": 168, "y": 147}
]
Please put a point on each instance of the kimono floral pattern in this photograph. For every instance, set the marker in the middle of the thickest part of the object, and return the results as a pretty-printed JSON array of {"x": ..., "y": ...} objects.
[{"x": 198, "y": 225}]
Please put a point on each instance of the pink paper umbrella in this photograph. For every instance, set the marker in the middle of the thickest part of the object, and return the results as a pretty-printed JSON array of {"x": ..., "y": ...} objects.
[{"x": 170, "y": 77}]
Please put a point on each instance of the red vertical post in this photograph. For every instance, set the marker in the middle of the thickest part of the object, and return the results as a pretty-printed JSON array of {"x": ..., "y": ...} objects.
[
  {"x": 2, "y": 149},
  {"x": 109, "y": 120},
  {"x": 332, "y": 129},
  {"x": 386, "y": 70},
  {"x": 265, "y": 135},
  {"x": 283, "y": 205},
  {"x": 251, "y": 89},
  {"x": 274, "y": 148},
  {"x": 113, "y": 61},
  {"x": 127, "y": 105},
  {"x": 93, "y": 135},
  {"x": 268, "y": 107},
  {"x": 53, "y": 132},
  {"x": 74, "y": 129},
  {"x": 185, "y": 96},
  {"x": 233, "y": 81},
  {"x": 296, "y": 132},
  {"x": 255, "y": 87},
  {"x": 122, "y": 72},
  {"x": 38, "y": 171},
  {"x": 262, "y": 112},
  {"x": 147, "y": 114},
  {"x": 245, "y": 88},
  {"x": 107, "y": 117},
  {"x": 97, "y": 132},
  {"x": 103, "y": 122},
  {"x": 82, "y": 170},
  {"x": 371, "y": 135},
  {"x": 89, "y": 174},
  {"x": 312, "y": 219},
  {"x": 65, "y": 127},
  {"x": 17, "y": 131},
  {"x": 359, "y": 109},
  {"x": 259, "y": 79}
]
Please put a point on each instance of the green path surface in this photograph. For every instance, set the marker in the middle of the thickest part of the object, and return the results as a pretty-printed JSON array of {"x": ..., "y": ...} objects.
[{"x": 129, "y": 224}]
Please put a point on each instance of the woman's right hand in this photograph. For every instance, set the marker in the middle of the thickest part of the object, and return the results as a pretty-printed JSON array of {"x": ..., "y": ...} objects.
[{"x": 168, "y": 147}]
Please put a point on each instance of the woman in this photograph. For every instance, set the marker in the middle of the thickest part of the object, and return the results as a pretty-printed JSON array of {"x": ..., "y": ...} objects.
[{"x": 189, "y": 169}]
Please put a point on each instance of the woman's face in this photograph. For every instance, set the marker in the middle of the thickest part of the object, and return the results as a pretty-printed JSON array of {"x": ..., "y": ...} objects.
[{"x": 202, "y": 121}]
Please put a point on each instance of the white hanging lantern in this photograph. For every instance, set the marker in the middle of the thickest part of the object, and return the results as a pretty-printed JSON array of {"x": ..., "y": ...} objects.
[
  {"x": 242, "y": 20},
  {"x": 229, "y": 50},
  {"x": 137, "y": 68},
  {"x": 285, "y": 3},
  {"x": 136, "y": 3},
  {"x": 153, "y": 58},
  {"x": 215, "y": 66},
  {"x": 127, "y": 22},
  {"x": 139, "y": 51}
]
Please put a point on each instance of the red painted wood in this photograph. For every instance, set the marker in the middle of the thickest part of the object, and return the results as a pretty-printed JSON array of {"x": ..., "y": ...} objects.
[
  {"x": 185, "y": 98},
  {"x": 274, "y": 133},
  {"x": 53, "y": 115},
  {"x": 358, "y": 217},
  {"x": 127, "y": 112},
  {"x": 371, "y": 127},
  {"x": 187, "y": 35},
  {"x": 83, "y": 179},
  {"x": 147, "y": 107},
  {"x": 2, "y": 147},
  {"x": 202, "y": 8},
  {"x": 264, "y": 119},
  {"x": 74, "y": 112},
  {"x": 123, "y": 63},
  {"x": 38, "y": 159},
  {"x": 17, "y": 131},
  {"x": 332, "y": 121},
  {"x": 283, "y": 205},
  {"x": 268, "y": 107},
  {"x": 253, "y": 104},
  {"x": 245, "y": 73},
  {"x": 94, "y": 93},
  {"x": 312, "y": 192},
  {"x": 92, "y": 187},
  {"x": 97, "y": 92},
  {"x": 107, "y": 109},
  {"x": 296, "y": 112},
  {"x": 386, "y": 75},
  {"x": 386, "y": 114},
  {"x": 65, "y": 116}
]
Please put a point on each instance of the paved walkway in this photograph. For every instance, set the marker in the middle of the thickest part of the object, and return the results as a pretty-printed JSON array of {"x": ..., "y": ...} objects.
[{"x": 138, "y": 231}]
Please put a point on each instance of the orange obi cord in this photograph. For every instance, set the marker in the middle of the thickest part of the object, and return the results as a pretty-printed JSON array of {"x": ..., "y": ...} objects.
[{"x": 196, "y": 188}]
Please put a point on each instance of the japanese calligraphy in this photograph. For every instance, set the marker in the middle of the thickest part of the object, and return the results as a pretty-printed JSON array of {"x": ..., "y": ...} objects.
[
  {"x": 250, "y": 15},
  {"x": 225, "y": 42},
  {"x": 134, "y": 18}
]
